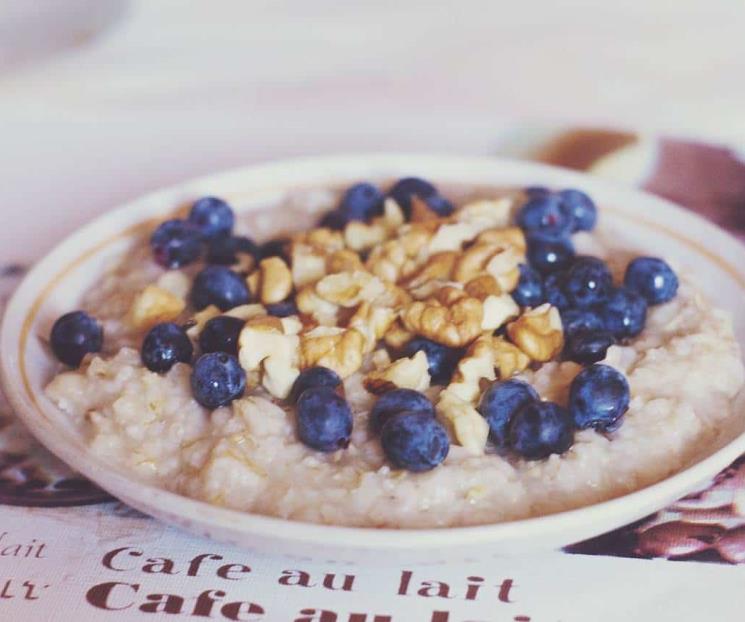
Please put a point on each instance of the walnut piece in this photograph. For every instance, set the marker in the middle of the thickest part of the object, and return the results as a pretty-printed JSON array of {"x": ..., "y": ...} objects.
[
  {"x": 348, "y": 289},
  {"x": 404, "y": 373},
  {"x": 310, "y": 303},
  {"x": 453, "y": 326},
  {"x": 336, "y": 348},
  {"x": 372, "y": 322},
  {"x": 275, "y": 282},
  {"x": 465, "y": 423},
  {"x": 497, "y": 310},
  {"x": 308, "y": 264},
  {"x": 154, "y": 305},
  {"x": 538, "y": 332}
]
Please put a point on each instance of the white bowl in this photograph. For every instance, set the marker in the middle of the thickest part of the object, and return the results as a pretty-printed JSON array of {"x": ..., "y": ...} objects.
[{"x": 638, "y": 221}]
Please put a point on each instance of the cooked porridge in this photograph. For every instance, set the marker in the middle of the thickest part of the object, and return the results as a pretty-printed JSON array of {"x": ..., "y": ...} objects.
[{"x": 409, "y": 362}]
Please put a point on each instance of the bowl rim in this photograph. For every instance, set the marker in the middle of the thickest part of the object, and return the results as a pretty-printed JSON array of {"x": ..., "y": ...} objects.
[{"x": 133, "y": 491}]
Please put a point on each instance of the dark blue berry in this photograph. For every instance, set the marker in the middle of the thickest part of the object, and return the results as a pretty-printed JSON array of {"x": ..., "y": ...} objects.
[
  {"x": 333, "y": 220},
  {"x": 324, "y": 419},
  {"x": 547, "y": 254},
  {"x": 540, "y": 429},
  {"x": 225, "y": 250},
  {"x": 415, "y": 441},
  {"x": 588, "y": 282},
  {"x": 217, "y": 379},
  {"x": 362, "y": 201},
  {"x": 499, "y": 404},
  {"x": 598, "y": 397},
  {"x": 314, "y": 377},
  {"x": 529, "y": 291},
  {"x": 624, "y": 313},
  {"x": 165, "y": 345},
  {"x": 582, "y": 208},
  {"x": 176, "y": 243},
  {"x": 278, "y": 247},
  {"x": 219, "y": 286},
  {"x": 441, "y": 359},
  {"x": 537, "y": 191},
  {"x": 405, "y": 188},
  {"x": 553, "y": 288},
  {"x": 587, "y": 346},
  {"x": 220, "y": 334},
  {"x": 547, "y": 215},
  {"x": 74, "y": 335},
  {"x": 282, "y": 309},
  {"x": 213, "y": 217},
  {"x": 579, "y": 320},
  {"x": 440, "y": 205},
  {"x": 397, "y": 401},
  {"x": 652, "y": 278}
]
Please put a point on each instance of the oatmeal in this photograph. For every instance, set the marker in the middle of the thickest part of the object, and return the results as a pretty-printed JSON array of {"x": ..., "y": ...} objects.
[{"x": 411, "y": 362}]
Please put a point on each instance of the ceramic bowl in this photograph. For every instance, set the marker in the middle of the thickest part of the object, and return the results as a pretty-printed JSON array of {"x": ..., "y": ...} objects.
[{"x": 639, "y": 221}]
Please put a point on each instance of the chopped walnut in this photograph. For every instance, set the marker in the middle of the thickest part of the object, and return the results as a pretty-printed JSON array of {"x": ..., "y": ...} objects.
[
  {"x": 438, "y": 267},
  {"x": 175, "y": 282},
  {"x": 451, "y": 237},
  {"x": 200, "y": 318},
  {"x": 400, "y": 257},
  {"x": 454, "y": 326},
  {"x": 508, "y": 358},
  {"x": 336, "y": 348},
  {"x": 465, "y": 423},
  {"x": 497, "y": 310},
  {"x": 404, "y": 373},
  {"x": 478, "y": 363},
  {"x": 361, "y": 236},
  {"x": 308, "y": 264},
  {"x": 397, "y": 336},
  {"x": 472, "y": 262},
  {"x": 483, "y": 286},
  {"x": 154, "y": 305},
  {"x": 372, "y": 322},
  {"x": 275, "y": 282},
  {"x": 486, "y": 214},
  {"x": 348, "y": 289},
  {"x": 310, "y": 303},
  {"x": 323, "y": 238},
  {"x": 246, "y": 312},
  {"x": 344, "y": 260},
  {"x": 509, "y": 237},
  {"x": 538, "y": 332}
]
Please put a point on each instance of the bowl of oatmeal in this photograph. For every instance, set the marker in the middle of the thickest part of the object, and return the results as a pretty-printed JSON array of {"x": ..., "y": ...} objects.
[{"x": 378, "y": 356}]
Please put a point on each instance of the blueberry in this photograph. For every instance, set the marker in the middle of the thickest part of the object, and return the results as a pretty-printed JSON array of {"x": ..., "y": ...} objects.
[
  {"x": 362, "y": 201},
  {"x": 225, "y": 249},
  {"x": 652, "y": 278},
  {"x": 415, "y": 441},
  {"x": 165, "y": 345},
  {"x": 440, "y": 205},
  {"x": 282, "y": 309},
  {"x": 529, "y": 290},
  {"x": 217, "y": 379},
  {"x": 176, "y": 243},
  {"x": 546, "y": 214},
  {"x": 624, "y": 313},
  {"x": 547, "y": 254},
  {"x": 74, "y": 335},
  {"x": 278, "y": 247},
  {"x": 553, "y": 288},
  {"x": 324, "y": 419},
  {"x": 598, "y": 397},
  {"x": 219, "y": 286},
  {"x": 540, "y": 429},
  {"x": 588, "y": 282},
  {"x": 499, "y": 404},
  {"x": 333, "y": 219},
  {"x": 314, "y": 377},
  {"x": 578, "y": 320},
  {"x": 587, "y": 346},
  {"x": 441, "y": 359},
  {"x": 405, "y": 188},
  {"x": 220, "y": 334},
  {"x": 583, "y": 209},
  {"x": 396, "y": 401},
  {"x": 213, "y": 217},
  {"x": 537, "y": 191}
]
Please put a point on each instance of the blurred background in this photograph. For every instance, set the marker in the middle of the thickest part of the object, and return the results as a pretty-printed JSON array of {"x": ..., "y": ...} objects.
[{"x": 102, "y": 100}]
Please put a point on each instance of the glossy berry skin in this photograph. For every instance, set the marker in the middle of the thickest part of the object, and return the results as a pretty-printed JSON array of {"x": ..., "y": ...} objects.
[
  {"x": 587, "y": 346},
  {"x": 548, "y": 255},
  {"x": 579, "y": 320},
  {"x": 396, "y": 401},
  {"x": 529, "y": 290},
  {"x": 553, "y": 289},
  {"x": 213, "y": 217},
  {"x": 441, "y": 359},
  {"x": 74, "y": 335},
  {"x": 405, "y": 188},
  {"x": 499, "y": 404},
  {"x": 536, "y": 191},
  {"x": 652, "y": 278},
  {"x": 582, "y": 207},
  {"x": 314, "y": 377},
  {"x": 333, "y": 219},
  {"x": 225, "y": 250},
  {"x": 282, "y": 309},
  {"x": 415, "y": 441},
  {"x": 624, "y": 313},
  {"x": 540, "y": 429},
  {"x": 361, "y": 201},
  {"x": 324, "y": 419},
  {"x": 440, "y": 205},
  {"x": 220, "y": 334},
  {"x": 176, "y": 243},
  {"x": 278, "y": 247},
  {"x": 598, "y": 397},
  {"x": 588, "y": 282},
  {"x": 547, "y": 215},
  {"x": 219, "y": 286},
  {"x": 165, "y": 345},
  {"x": 217, "y": 379}
]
